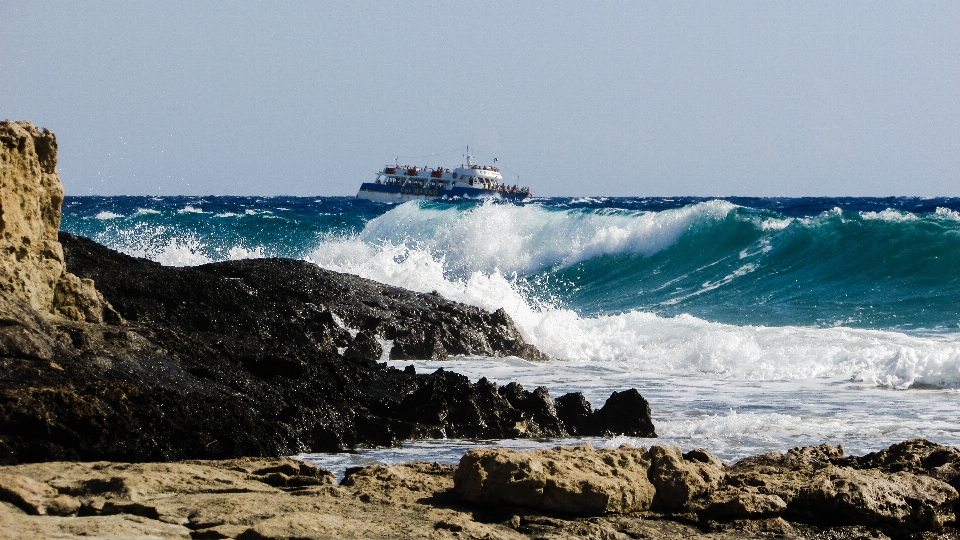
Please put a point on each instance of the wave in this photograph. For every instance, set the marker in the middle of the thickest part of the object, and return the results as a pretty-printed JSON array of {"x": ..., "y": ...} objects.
[
  {"x": 884, "y": 269},
  {"x": 522, "y": 239},
  {"x": 644, "y": 340}
]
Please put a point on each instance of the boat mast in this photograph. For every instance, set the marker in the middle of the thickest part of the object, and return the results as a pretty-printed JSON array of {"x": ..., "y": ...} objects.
[{"x": 469, "y": 157}]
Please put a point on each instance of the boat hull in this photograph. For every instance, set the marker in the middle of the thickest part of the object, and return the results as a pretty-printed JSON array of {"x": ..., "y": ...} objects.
[{"x": 387, "y": 193}]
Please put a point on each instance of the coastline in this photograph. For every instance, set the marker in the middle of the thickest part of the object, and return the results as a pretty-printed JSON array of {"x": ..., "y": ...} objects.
[
  {"x": 572, "y": 492},
  {"x": 119, "y": 374}
]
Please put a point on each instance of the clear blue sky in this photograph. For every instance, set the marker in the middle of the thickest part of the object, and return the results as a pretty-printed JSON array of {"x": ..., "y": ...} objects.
[{"x": 577, "y": 98}]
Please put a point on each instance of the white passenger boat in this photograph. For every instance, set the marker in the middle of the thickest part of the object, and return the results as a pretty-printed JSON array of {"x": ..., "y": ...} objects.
[{"x": 394, "y": 184}]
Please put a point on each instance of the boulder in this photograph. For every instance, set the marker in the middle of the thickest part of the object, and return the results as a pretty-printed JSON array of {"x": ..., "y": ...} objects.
[
  {"x": 625, "y": 413},
  {"x": 918, "y": 456},
  {"x": 577, "y": 480},
  {"x": 680, "y": 478},
  {"x": 575, "y": 412}
]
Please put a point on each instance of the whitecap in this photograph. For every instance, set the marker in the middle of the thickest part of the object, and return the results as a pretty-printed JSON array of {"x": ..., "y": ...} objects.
[{"x": 889, "y": 214}]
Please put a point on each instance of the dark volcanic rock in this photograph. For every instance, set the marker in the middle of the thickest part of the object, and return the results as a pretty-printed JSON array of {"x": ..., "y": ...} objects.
[
  {"x": 626, "y": 413},
  {"x": 254, "y": 358}
]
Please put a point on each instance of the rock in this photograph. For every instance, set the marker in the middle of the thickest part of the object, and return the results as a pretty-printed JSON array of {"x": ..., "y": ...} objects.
[
  {"x": 575, "y": 412},
  {"x": 494, "y": 493},
  {"x": 78, "y": 299},
  {"x": 682, "y": 478},
  {"x": 577, "y": 480},
  {"x": 229, "y": 499},
  {"x": 24, "y": 333},
  {"x": 802, "y": 485},
  {"x": 742, "y": 504},
  {"x": 918, "y": 456},
  {"x": 31, "y": 261},
  {"x": 365, "y": 347},
  {"x": 818, "y": 490},
  {"x": 35, "y": 497},
  {"x": 625, "y": 413},
  {"x": 869, "y": 497},
  {"x": 31, "y": 258}
]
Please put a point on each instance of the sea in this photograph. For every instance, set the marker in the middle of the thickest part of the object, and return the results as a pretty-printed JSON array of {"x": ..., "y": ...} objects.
[{"x": 750, "y": 324}]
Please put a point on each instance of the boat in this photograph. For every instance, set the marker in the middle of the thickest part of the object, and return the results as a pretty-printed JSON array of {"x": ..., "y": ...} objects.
[{"x": 395, "y": 184}]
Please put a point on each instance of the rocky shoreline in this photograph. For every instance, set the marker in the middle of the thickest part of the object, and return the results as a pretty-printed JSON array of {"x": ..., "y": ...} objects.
[
  {"x": 110, "y": 357},
  {"x": 905, "y": 491},
  {"x": 138, "y": 400}
]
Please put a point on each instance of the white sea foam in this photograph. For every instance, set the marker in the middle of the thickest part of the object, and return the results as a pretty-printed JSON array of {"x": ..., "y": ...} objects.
[
  {"x": 889, "y": 215},
  {"x": 172, "y": 252},
  {"x": 146, "y": 211},
  {"x": 106, "y": 214},
  {"x": 182, "y": 253},
  {"x": 775, "y": 224},
  {"x": 237, "y": 253},
  {"x": 191, "y": 210},
  {"x": 948, "y": 213}
]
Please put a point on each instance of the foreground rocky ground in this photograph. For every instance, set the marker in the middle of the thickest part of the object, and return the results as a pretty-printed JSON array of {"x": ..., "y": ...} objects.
[{"x": 906, "y": 491}]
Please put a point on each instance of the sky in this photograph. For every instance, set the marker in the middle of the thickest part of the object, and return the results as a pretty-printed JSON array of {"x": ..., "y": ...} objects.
[{"x": 573, "y": 98}]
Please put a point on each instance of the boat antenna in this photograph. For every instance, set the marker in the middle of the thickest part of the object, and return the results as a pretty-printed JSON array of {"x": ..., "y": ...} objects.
[{"x": 469, "y": 157}]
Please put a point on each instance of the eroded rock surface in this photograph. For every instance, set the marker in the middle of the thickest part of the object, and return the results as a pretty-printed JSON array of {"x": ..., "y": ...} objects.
[
  {"x": 805, "y": 485},
  {"x": 577, "y": 480},
  {"x": 560, "y": 493}
]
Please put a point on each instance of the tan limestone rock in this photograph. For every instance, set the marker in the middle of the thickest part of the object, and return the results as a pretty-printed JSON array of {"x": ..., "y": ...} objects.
[
  {"x": 871, "y": 497},
  {"x": 35, "y": 497},
  {"x": 31, "y": 258},
  {"x": 235, "y": 499},
  {"x": 742, "y": 504},
  {"x": 576, "y": 480},
  {"x": 816, "y": 490},
  {"x": 78, "y": 299},
  {"x": 16, "y": 525},
  {"x": 681, "y": 478}
]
